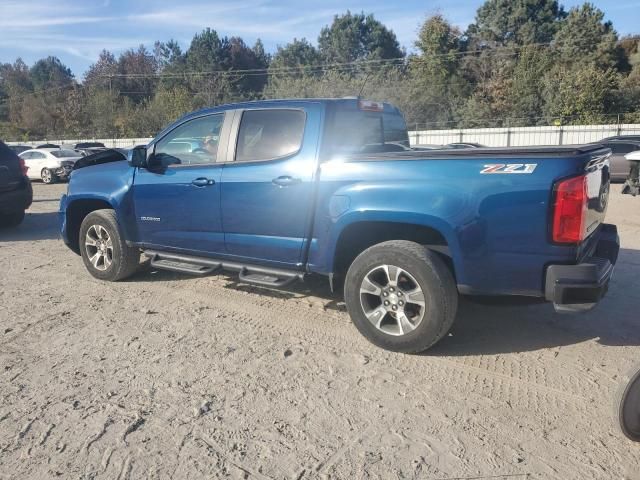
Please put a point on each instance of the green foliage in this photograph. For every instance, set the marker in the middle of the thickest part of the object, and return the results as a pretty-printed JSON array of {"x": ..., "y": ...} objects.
[
  {"x": 580, "y": 94},
  {"x": 522, "y": 62},
  {"x": 584, "y": 36},
  {"x": 353, "y": 37},
  {"x": 298, "y": 53},
  {"x": 515, "y": 22},
  {"x": 50, "y": 73}
]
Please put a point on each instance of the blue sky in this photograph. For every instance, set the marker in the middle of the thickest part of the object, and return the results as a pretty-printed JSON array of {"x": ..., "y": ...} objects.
[{"x": 77, "y": 30}]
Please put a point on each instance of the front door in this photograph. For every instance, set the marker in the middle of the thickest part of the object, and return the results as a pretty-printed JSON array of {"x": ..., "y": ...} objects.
[
  {"x": 268, "y": 184},
  {"x": 177, "y": 199}
]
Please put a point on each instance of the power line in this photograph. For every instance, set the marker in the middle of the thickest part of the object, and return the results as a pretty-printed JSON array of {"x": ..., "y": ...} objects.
[{"x": 323, "y": 67}]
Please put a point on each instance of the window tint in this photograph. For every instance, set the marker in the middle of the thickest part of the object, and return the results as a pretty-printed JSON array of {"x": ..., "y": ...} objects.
[
  {"x": 192, "y": 143},
  {"x": 357, "y": 131},
  {"x": 38, "y": 155},
  {"x": 266, "y": 134}
]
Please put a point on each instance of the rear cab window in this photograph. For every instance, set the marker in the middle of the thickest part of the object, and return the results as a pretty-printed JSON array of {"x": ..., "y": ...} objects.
[
  {"x": 352, "y": 129},
  {"x": 269, "y": 134}
]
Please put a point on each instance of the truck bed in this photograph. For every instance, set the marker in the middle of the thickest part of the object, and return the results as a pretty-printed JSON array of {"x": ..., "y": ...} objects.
[{"x": 493, "y": 152}]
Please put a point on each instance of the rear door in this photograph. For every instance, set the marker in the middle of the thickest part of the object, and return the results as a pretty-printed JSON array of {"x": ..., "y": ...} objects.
[
  {"x": 32, "y": 163},
  {"x": 177, "y": 200},
  {"x": 268, "y": 182}
]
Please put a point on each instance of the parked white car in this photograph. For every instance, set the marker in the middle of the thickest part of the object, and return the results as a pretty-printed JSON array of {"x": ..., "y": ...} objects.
[{"x": 49, "y": 164}]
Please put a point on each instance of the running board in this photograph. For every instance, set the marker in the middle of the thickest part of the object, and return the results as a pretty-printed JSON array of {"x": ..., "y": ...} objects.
[{"x": 254, "y": 274}]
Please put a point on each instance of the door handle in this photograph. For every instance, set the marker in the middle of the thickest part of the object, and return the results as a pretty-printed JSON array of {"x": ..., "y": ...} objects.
[
  {"x": 203, "y": 182},
  {"x": 286, "y": 180}
]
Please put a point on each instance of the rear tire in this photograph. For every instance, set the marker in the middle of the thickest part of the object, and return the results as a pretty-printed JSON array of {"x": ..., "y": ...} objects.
[
  {"x": 424, "y": 289},
  {"x": 47, "y": 176},
  {"x": 104, "y": 252},
  {"x": 11, "y": 219}
]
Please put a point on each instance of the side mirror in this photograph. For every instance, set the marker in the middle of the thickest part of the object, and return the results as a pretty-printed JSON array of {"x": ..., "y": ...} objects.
[{"x": 137, "y": 156}]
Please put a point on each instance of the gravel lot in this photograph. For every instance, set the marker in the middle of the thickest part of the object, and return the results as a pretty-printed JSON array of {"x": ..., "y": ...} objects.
[{"x": 169, "y": 376}]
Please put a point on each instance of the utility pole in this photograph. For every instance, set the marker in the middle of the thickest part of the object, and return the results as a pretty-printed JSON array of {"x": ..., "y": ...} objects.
[{"x": 111, "y": 102}]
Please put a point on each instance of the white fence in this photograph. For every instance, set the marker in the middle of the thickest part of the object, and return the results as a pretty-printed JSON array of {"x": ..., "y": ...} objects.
[
  {"x": 491, "y": 137},
  {"x": 524, "y": 136},
  {"x": 108, "y": 142}
]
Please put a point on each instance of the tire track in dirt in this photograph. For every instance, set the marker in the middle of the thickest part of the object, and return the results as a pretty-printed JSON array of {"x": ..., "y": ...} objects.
[{"x": 490, "y": 376}]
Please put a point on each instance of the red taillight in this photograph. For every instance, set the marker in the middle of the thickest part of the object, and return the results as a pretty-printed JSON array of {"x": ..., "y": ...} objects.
[
  {"x": 570, "y": 210},
  {"x": 23, "y": 166}
]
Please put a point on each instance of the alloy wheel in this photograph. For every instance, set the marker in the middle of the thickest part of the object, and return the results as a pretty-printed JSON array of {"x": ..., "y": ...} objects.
[{"x": 392, "y": 300}]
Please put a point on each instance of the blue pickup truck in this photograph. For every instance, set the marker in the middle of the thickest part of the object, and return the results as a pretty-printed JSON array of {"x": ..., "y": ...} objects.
[{"x": 277, "y": 190}]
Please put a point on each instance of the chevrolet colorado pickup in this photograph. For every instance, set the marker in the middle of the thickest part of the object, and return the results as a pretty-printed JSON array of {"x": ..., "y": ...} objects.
[{"x": 276, "y": 190}]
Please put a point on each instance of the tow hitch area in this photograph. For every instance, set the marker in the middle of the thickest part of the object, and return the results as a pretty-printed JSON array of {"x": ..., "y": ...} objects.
[{"x": 578, "y": 288}]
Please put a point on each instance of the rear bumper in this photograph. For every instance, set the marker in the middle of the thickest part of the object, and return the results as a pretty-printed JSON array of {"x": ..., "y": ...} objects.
[
  {"x": 17, "y": 200},
  {"x": 578, "y": 288}
]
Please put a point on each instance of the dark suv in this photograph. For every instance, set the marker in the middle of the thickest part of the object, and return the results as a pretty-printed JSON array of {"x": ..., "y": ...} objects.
[{"x": 15, "y": 188}]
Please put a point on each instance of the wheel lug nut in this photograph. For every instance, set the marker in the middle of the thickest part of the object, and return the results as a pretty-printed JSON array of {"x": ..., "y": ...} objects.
[
  {"x": 385, "y": 294},
  {"x": 394, "y": 307},
  {"x": 386, "y": 302},
  {"x": 391, "y": 289},
  {"x": 400, "y": 303}
]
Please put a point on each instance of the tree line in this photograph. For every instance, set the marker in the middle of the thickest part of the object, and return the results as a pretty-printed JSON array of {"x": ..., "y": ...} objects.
[{"x": 521, "y": 63}]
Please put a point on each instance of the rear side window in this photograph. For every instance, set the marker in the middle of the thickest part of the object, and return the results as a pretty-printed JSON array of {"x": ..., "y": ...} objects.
[
  {"x": 358, "y": 131},
  {"x": 268, "y": 134}
]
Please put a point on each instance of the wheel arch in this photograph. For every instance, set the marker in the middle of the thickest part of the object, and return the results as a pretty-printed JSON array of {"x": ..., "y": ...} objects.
[
  {"x": 355, "y": 237},
  {"x": 75, "y": 213}
]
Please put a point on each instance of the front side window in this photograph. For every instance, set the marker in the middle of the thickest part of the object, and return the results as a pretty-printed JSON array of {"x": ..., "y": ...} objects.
[
  {"x": 268, "y": 134},
  {"x": 193, "y": 143}
]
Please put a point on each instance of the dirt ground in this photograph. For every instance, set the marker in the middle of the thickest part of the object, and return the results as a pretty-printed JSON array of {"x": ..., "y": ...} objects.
[{"x": 170, "y": 376}]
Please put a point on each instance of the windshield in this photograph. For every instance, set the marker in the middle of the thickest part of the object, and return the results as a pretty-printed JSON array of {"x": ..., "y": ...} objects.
[{"x": 64, "y": 153}]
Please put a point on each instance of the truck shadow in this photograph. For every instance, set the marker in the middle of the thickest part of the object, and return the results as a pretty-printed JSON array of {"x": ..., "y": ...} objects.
[
  {"x": 485, "y": 328},
  {"x": 490, "y": 328}
]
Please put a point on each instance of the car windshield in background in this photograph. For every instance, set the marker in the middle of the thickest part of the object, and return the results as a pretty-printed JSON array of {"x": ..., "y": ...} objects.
[
  {"x": 358, "y": 131},
  {"x": 64, "y": 153}
]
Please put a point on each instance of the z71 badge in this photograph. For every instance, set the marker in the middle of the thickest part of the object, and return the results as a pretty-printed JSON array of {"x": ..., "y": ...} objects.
[{"x": 509, "y": 168}]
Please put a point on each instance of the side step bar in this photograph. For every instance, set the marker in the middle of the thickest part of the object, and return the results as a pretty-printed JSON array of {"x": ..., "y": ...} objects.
[{"x": 257, "y": 275}]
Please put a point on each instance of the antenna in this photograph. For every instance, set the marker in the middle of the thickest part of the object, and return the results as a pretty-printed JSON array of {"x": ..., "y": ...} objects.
[{"x": 364, "y": 84}]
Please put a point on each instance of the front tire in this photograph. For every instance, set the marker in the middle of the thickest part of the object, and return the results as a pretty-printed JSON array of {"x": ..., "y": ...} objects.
[
  {"x": 47, "y": 176},
  {"x": 104, "y": 252},
  {"x": 401, "y": 296}
]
